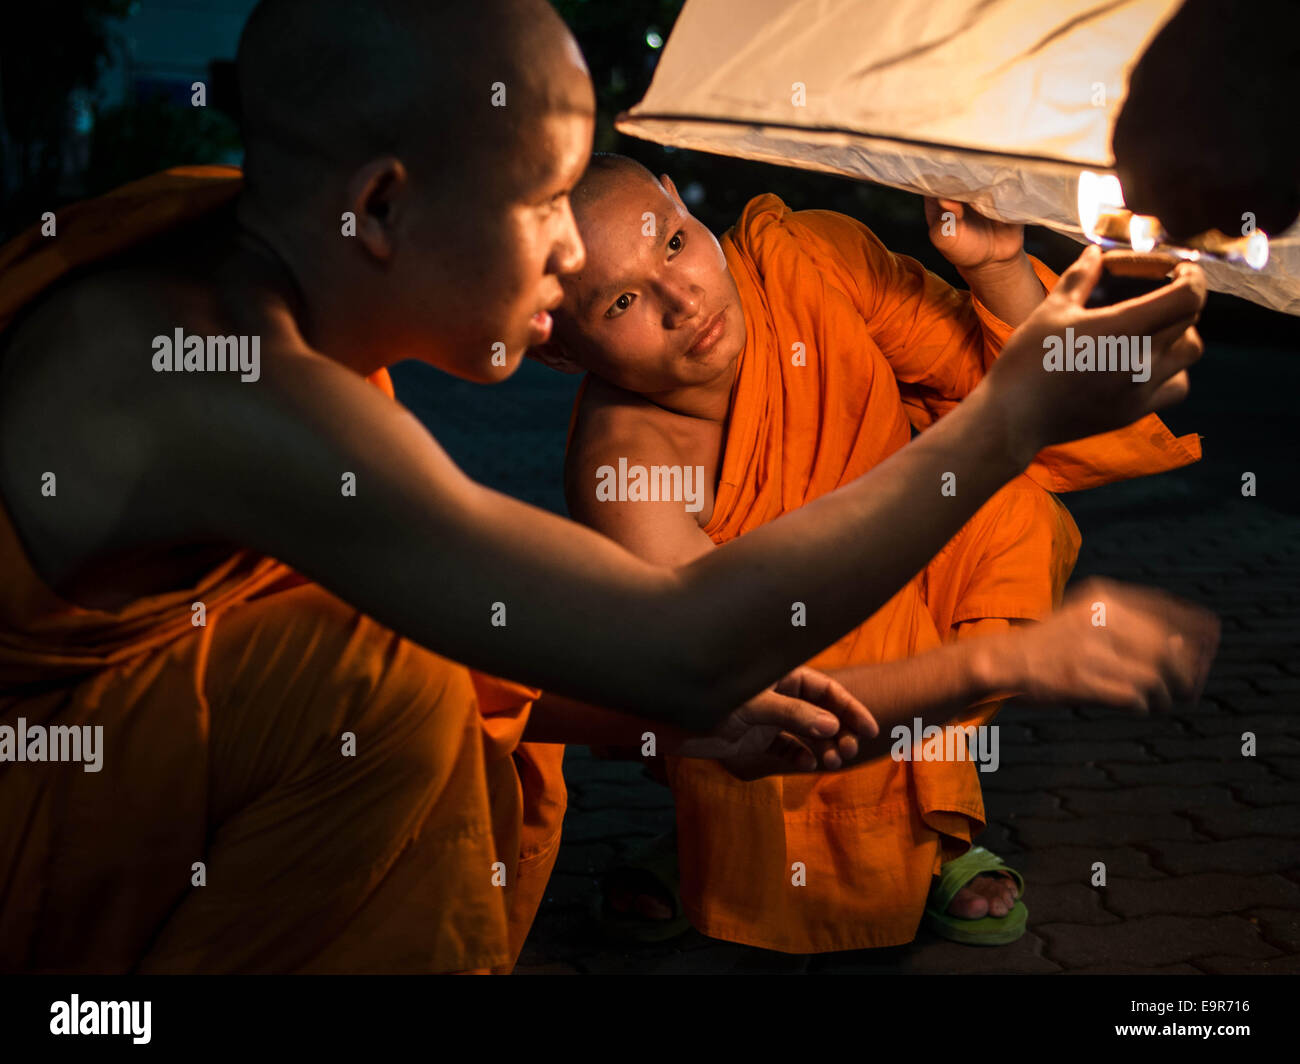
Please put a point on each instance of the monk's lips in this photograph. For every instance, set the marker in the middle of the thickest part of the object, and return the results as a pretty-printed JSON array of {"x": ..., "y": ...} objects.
[
  {"x": 707, "y": 337},
  {"x": 541, "y": 323}
]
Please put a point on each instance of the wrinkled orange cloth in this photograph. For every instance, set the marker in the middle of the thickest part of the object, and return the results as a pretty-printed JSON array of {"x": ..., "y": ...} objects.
[
  {"x": 425, "y": 851},
  {"x": 887, "y": 346}
]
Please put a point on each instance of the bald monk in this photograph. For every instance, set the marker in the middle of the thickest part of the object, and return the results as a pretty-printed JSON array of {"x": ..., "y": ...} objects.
[
  {"x": 779, "y": 365},
  {"x": 285, "y": 605}
]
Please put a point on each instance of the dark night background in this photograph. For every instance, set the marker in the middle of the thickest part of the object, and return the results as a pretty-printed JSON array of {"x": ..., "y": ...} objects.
[{"x": 95, "y": 93}]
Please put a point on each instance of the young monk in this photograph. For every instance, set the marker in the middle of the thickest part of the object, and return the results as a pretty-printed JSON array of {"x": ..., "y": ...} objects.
[
  {"x": 781, "y": 364},
  {"x": 260, "y": 584}
]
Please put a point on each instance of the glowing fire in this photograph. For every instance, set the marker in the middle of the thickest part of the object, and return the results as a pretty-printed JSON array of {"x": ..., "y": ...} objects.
[
  {"x": 1106, "y": 220},
  {"x": 1257, "y": 249},
  {"x": 1098, "y": 194},
  {"x": 1143, "y": 232}
]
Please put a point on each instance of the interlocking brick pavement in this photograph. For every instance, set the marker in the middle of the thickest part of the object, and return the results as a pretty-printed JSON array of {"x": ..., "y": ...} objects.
[{"x": 1200, "y": 843}]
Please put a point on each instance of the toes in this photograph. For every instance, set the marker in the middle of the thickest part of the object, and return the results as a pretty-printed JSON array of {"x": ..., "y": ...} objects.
[
  {"x": 989, "y": 894},
  {"x": 968, "y": 904}
]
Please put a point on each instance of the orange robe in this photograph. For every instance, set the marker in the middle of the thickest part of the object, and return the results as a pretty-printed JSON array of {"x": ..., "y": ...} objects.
[
  {"x": 888, "y": 347},
  {"x": 223, "y": 744}
]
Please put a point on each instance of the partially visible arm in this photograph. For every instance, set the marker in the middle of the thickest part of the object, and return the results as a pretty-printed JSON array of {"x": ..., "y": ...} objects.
[
  {"x": 784, "y": 727},
  {"x": 936, "y": 685},
  {"x": 1153, "y": 651},
  {"x": 938, "y": 340},
  {"x": 989, "y": 255},
  {"x": 1010, "y": 289},
  {"x": 559, "y": 719}
]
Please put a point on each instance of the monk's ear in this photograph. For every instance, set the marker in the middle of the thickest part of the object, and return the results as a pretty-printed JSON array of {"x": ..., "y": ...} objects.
[
  {"x": 671, "y": 189},
  {"x": 376, "y": 195},
  {"x": 553, "y": 355}
]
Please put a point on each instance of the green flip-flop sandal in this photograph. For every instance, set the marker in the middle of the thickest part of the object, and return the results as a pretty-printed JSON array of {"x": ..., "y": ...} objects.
[
  {"x": 656, "y": 859},
  {"x": 987, "y": 930}
]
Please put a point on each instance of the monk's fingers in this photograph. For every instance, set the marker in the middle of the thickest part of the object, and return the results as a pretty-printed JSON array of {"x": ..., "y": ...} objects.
[
  {"x": 1204, "y": 644},
  {"x": 1169, "y": 372},
  {"x": 852, "y": 714},
  {"x": 1175, "y": 357},
  {"x": 816, "y": 687},
  {"x": 1178, "y": 637},
  {"x": 1187, "y": 665},
  {"x": 792, "y": 755},
  {"x": 847, "y": 746},
  {"x": 1132, "y": 604},
  {"x": 783, "y": 754},
  {"x": 793, "y": 714},
  {"x": 1193, "y": 630},
  {"x": 834, "y": 753},
  {"x": 1160, "y": 699},
  {"x": 1091, "y": 589},
  {"x": 1080, "y": 278},
  {"x": 1190, "y": 271},
  {"x": 1170, "y": 393},
  {"x": 1145, "y": 681},
  {"x": 781, "y": 759},
  {"x": 1171, "y": 335},
  {"x": 1176, "y": 304},
  {"x": 1111, "y": 689}
]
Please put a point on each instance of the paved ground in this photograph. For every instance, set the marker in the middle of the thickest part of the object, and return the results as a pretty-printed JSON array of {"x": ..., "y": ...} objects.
[{"x": 1200, "y": 843}]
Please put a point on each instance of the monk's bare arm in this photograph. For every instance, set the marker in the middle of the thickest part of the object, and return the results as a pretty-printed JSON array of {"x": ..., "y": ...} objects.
[
  {"x": 438, "y": 558},
  {"x": 425, "y": 550},
  {"x": 1010, "y": 289},
  {"x": 559, "y": 719}
]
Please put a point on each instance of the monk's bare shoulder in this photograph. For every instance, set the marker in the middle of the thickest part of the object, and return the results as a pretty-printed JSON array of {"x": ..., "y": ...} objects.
[
  {"x": 121, "y": 395},
  {"x": 613, "y": 423}
]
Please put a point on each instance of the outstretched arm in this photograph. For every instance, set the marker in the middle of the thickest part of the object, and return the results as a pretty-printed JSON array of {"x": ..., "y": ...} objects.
[
  {"x": 1153, "y": 651},
  {"x": 512, "y": 590}
]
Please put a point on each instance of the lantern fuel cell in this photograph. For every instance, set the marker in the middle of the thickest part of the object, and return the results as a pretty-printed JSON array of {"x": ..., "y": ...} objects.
[{"x": 1127, "y": 274}]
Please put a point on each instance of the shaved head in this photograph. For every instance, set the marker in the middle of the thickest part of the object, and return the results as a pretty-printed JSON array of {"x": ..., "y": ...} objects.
[
  {"x": 409, "y": 162},
  {"x": 448, "y": 89},
  {"x": 608, "y": 172},
  {"x": 654, "y": 309}
]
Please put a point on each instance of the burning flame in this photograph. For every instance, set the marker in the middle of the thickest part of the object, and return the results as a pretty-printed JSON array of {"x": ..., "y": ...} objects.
[
  {"x": 1106, "y": 220},
  {"x": 1143, "y": 232},
  {"x": 1098, "y": 193},
  {"x": 1257, "y": 249}
]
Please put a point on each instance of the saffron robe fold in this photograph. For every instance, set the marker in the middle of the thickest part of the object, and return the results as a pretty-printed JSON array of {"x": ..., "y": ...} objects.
[
  {"x": 428, "y": 850},
  {"x": 888, "y": 347}
]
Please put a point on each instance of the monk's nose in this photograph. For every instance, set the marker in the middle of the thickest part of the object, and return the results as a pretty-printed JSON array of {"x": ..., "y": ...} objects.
[
  {"x": 682, "y": 304},
  {"x": 570, "y": 253}
]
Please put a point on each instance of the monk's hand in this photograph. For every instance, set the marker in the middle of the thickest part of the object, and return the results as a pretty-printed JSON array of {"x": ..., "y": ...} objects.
[
  {"x": 968, "y": 239},
  {"x": 1041, "y": 399},
  {"x": 1114, "y": 644},
  {"x": 803, "y": 722}
]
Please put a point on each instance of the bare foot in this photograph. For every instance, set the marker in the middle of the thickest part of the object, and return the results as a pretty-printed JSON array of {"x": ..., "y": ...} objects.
[{"x": 988, "y": 894}]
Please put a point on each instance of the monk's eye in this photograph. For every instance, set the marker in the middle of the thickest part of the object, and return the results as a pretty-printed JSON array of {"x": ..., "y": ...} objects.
[
  {"x": 620, "y": 304},
  {"x": 677, "y": 242}
]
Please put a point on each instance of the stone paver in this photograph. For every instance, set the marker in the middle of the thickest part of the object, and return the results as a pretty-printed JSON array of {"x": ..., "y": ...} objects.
[
  {"x": 1240, "y": 855},
  {"x": 1204, "y": 894},
  {"x": 1073, "y": 864},
  {"x": 1153, "y": 941}
]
